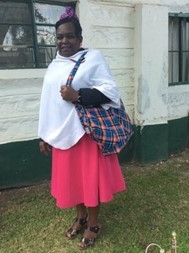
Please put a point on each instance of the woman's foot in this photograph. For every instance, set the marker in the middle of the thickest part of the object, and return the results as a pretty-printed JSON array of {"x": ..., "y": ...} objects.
[
  {"x": 77, "y": 226},
  {"x": 89, "y": 237}
]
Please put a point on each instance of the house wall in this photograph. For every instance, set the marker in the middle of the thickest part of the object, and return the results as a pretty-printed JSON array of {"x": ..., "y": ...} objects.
[
  {"x": 134, "y": 38},
  {"x": 20, "y": 160},
  {"x": 110, "y": 28},
  {"x": 133, "y": 35},
  {"x": 19, "y": 99}
]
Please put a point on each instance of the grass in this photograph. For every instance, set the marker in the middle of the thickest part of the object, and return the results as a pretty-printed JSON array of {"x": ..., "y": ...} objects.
[{"x": 155, "y": 204}]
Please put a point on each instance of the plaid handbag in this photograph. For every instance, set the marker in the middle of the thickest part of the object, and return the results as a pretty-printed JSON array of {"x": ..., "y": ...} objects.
[{"x": 111, "y": 129}]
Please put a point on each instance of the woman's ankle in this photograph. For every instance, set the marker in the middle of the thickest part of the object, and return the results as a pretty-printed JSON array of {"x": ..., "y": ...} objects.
[{"x": 81, "y": 211}]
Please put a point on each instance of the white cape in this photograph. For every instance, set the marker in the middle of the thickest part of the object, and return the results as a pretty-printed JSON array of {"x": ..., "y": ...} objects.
[{"x": 59, "y": 124}]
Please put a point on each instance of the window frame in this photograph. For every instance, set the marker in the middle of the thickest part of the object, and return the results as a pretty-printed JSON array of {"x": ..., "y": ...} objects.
[
  {"x": 180, "y": 17},
  {"x": 36, "y": 46}
]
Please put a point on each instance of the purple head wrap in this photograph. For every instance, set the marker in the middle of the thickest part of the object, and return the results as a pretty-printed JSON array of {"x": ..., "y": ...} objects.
[{"x": 69, "y": 13}]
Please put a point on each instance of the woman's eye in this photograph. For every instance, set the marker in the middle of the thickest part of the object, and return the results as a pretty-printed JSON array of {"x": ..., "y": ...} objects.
[
  {"x": 68, "y": 37},
  {"x": 59, "y": 37}
]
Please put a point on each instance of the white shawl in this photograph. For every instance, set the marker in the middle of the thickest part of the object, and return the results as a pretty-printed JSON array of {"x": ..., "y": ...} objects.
[{"x": 59, "y": 124}]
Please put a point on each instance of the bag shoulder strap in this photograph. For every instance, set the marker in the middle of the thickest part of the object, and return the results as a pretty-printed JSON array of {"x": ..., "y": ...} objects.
[{"x": 74, "y": 70}]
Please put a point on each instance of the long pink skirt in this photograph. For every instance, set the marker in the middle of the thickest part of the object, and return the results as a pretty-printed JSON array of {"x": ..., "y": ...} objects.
[{"x": 82, "y": 174}]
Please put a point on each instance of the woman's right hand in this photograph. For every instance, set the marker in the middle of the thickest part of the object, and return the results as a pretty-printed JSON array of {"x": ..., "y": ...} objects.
[{"x": 44, "y": 147}]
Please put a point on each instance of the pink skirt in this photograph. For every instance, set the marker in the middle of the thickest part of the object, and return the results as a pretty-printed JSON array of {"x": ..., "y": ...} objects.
[{"x": 82, "y": 174}]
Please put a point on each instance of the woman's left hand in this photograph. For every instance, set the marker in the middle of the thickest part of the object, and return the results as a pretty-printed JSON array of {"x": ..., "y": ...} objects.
[
  {"x": 44, "y": 147},
  {"x": 68, "y": 93}
]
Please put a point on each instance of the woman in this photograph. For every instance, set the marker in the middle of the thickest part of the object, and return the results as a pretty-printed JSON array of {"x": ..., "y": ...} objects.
[{"x": 82, "y": 176}]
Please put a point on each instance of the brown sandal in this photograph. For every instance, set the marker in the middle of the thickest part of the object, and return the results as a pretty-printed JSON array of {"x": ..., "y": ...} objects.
[
  {"x": 89, "y": 241},
  {"x": 79, "y": 224}
]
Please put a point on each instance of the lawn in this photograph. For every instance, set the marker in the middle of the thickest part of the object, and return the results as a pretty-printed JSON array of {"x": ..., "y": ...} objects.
[{"x": 155, "y": 204}]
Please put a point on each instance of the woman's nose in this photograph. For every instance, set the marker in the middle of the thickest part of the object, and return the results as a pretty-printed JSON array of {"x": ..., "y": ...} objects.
[{"x": 64, "y": 39}]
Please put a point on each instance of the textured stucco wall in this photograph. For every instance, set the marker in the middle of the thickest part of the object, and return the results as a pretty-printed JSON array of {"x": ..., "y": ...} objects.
[
  {"x": 19, "y": 99},
  {"x": 172, "y": 3},
  {"x": 178, "y": 102},
  {"x": 133, "y": 35},
  {"x": 110, "y": 28},
  {"x": 151, "y": 68}
]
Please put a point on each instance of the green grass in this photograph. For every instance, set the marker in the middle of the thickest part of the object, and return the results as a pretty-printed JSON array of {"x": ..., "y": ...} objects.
[{"x": 155, "y": 204}]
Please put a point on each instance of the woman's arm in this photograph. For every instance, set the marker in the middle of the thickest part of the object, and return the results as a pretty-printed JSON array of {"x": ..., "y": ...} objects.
[
  {"x": 85, "y": 96},
  {"x": 94, "y": 97}
]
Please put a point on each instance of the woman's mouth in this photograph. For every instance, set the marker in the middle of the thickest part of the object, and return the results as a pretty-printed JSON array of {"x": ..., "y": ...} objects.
[{"x": 65, "y": 48}]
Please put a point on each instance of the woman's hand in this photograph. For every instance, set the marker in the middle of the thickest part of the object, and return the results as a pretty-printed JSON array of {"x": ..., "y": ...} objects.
[
  {"x": 68, "y": 93},
  {"x": 44, "y": 147}
]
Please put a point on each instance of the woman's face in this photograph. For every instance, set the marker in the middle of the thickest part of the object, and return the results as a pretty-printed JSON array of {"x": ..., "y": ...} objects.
[{"x": 67, "y": 42}]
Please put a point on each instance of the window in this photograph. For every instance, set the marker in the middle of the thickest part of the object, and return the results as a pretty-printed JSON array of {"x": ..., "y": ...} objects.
[
  {"x": 27, "y": 32},
  {"x": 178, "y": 49}
]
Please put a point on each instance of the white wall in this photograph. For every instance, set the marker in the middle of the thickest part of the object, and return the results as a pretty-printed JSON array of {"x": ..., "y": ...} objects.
[
  {"x": 173, "y": 3},
  {"x": 19, "y": 100},
  {"x": 110, "y": 28},
  {"x": 133, "y": 35},
  {"x": 151, "y": 68},
  {"x": 155, "y": 101},
  {"x": 178, "y": 102}
]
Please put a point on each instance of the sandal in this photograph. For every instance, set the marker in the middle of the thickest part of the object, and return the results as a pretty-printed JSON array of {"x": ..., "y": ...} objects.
[
  {"x": 74, "y": 230},
  {"x": 89, "y": 241}
]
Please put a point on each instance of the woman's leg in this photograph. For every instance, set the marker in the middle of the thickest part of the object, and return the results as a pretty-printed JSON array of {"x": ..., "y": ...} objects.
[
  {"x": 93, "y": 213},
  {"x": 92, "y": 230},
  {"x": 81, "y": 211},
  {"x": 80, "y": 222}
]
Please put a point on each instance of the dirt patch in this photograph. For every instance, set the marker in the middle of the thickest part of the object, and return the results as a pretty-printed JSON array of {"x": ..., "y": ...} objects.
[
  {"x": 178, "y": 161},
  {"x": 7, "y": 194}
]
